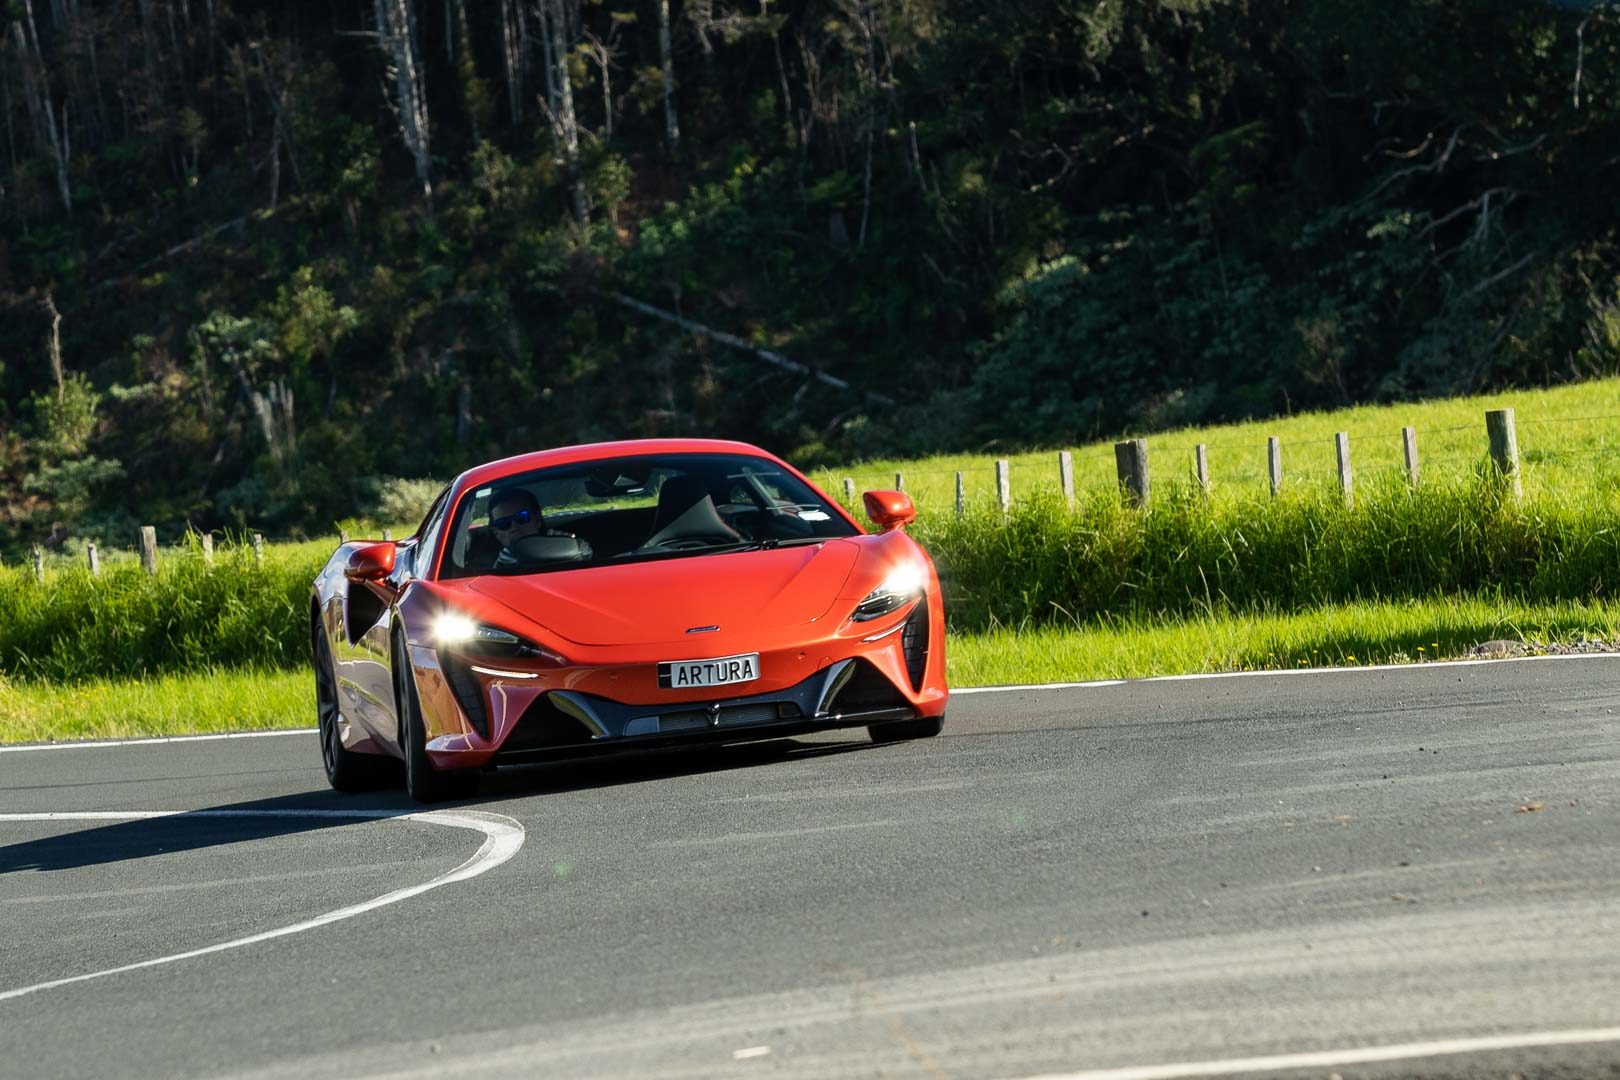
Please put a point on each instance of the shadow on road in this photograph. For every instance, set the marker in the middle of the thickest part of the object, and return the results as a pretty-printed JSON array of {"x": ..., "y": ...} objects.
[
  {"x": 124, "y": 841},
  {"x": 578, "y": 774},
  {"x": 206, "y": 827}
]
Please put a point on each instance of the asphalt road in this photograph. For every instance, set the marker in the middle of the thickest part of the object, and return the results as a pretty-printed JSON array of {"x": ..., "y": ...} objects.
[{"x": 1067, "y": 880}]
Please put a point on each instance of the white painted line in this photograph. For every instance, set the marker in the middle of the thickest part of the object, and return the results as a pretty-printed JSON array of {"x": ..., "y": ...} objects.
[
  {"x": 502, "y": 838},
  {"x": 1323, "y": 1059},
  {"x": 97, "y": 744},
  {"x": 1419, "y": 666}
]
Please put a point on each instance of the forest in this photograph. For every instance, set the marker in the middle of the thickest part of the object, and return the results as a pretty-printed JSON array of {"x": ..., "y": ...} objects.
[{"x": 259, "y": 260}]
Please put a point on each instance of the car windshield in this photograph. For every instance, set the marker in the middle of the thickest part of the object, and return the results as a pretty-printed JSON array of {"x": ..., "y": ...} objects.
[{"x": 656, "y": 506}]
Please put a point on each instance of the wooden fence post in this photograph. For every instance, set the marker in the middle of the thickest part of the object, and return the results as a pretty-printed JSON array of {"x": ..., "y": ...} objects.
[
  {"x": 961, "y": 496},
  {"x": 39, "y": 563},
  {"x": 1409, "y": 444},
  {"x": 1130, "y": 458},
  {"x": 1274, "y": 463},
  {"x": 149, "y": 549},
  {"x": 258, "y": 548},
  {"x": 94, "y": 559},
  {"x": 1504, "y": 447},
  {"x": 1004, "y": 484},
  {"x": 1201, "y": 467},
  {"x": 849, "y": 490},
  {"x": 388, "y": 534},
  {"x": 208, "y": 549},
  {"x": 1066, "y": 475},
  {"x": 1341, "y": 448},
  {"x": 899, "y": 481}
]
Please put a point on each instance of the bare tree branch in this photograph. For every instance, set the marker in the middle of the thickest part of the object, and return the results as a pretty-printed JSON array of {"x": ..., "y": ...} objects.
[{"x": 775, "y": 359}]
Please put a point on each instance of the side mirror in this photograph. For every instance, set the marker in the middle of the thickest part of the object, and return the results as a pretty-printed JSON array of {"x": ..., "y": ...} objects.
[
  {"x": 889, "y": 509},
  {"x": 371, "y": 563}
]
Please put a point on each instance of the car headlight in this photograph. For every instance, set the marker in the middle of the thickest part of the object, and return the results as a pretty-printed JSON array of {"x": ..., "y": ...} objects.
[
  {"x": 902, "y": 584},
  {"x": 453, "y": 628}
]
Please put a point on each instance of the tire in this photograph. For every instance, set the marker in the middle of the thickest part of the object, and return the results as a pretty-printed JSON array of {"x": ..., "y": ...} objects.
[
  {"x": 423, "y": 782},
  {"x": 346, "y": 770},
  {"x": 924, "y": 727}
]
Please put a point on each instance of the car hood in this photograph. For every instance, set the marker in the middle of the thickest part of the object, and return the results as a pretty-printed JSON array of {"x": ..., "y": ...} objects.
[{"x": 660, "y": 600}]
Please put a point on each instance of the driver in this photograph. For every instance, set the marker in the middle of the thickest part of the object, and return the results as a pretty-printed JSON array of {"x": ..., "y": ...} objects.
[{"x": 515, "y": 515}]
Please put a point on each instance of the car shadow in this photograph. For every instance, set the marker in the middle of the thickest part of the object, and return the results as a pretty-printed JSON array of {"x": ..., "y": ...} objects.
[
  {"x": 205, "y": 827},
  {"x": 307, "y": 812},
  {"x": 579, "y": 774}
]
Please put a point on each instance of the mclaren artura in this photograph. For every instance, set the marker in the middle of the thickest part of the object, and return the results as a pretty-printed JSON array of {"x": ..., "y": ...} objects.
[{"x": 616, "y": 597}]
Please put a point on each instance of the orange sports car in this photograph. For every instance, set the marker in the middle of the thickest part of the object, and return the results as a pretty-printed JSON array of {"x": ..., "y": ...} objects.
[{"x": 615, "y": 597}]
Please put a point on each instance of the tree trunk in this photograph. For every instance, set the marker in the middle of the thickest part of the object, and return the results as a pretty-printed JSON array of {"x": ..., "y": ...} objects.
[
  {"x": 567, "y": 126},
  {"x": 542, "y": 11},
  {"x": 396, "y": 27},
  {"x": 512, "y": 59},
  {"x": 54, "y": 346},
  {"x": 37, "y": 87},
  {"x": 672, "y": 130}
]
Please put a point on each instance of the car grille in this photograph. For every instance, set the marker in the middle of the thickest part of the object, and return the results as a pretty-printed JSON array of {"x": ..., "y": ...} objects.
[{"x": 759, "y": 712}]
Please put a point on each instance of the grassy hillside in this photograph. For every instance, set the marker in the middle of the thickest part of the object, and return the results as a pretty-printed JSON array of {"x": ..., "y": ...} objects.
[{"x": 1568, "y": 441}]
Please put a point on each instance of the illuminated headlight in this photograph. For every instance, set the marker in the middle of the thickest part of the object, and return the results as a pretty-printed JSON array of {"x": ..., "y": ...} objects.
[
  {"x": 453, "y": 629},
  {"x": 904, "y": 583}
]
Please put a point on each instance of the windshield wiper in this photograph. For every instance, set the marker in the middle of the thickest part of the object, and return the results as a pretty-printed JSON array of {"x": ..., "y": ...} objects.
[{"x": 769, "y": 542}]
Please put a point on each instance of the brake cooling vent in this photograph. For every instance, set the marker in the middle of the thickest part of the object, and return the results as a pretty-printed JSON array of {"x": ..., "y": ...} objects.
[
  {"x": 914, "y": 639},
  {"x": 544, "y": 726},
  {"x": 468, "y": 693}
]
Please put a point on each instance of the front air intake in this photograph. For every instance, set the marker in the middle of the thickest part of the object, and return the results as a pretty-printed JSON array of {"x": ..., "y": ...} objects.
[
  {"x": 914, "y": 640},
  {"x": 469, "y": 695}
]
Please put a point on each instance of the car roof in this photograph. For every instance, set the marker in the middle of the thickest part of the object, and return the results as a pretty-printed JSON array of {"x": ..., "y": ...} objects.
[{"x": 571, "y": 455}]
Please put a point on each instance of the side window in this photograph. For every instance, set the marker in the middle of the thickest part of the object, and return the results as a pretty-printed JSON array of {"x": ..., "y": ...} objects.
[{"x": 427, "y": 537}]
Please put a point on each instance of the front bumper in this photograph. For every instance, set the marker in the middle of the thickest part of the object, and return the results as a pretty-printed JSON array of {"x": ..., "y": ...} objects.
[
  {"x": 566, "y": 724},
  {"x": 479, "y": 715}
]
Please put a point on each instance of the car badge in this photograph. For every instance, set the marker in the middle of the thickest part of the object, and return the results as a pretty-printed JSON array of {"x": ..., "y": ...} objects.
[
  {"x": 701, "y": 629},
  {"x": 714, "y": 714}
]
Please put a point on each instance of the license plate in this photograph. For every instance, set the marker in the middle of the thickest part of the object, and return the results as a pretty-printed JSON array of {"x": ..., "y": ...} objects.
[{"x": 722, "y": 671}]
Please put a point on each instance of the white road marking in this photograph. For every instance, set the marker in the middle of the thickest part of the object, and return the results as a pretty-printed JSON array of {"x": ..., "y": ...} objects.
[
  {"x": 93, "y": 744},
  {"x": 1279, "y": 671},
  {"x": 503, "y": 836},
  {"x": 1323, "y": 1059},
  {"x": 750, "y": 1052}
]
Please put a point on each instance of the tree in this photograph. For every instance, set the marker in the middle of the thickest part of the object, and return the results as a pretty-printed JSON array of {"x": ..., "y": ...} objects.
[{"x": 396, "y": 32}]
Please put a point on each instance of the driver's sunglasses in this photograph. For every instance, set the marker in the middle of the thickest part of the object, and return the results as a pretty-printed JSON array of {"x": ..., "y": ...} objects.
[{"x": 506, "y": 521}]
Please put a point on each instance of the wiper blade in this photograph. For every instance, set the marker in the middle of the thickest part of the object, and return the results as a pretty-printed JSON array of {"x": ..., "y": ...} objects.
[{"x": 770, "y": 542}]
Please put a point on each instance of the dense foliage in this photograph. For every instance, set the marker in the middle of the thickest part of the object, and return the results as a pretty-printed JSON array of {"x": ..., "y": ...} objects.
[{"x": 256, "y": 258}]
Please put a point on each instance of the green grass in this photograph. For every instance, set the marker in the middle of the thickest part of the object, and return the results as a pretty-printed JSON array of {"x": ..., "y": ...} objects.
[
  {"x": 1568, "y": 437},
  {"x": 190, "y": 616},
  {"x": 1347, "y": 635},
  {"x": 213, "y": 701}
]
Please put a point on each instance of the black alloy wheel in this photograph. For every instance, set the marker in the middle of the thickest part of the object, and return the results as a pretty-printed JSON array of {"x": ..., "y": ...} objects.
[
  {"x": 924, "y": 727},
  {"x": 423, "y": 782},
  {"x": 345, "y": 769}
]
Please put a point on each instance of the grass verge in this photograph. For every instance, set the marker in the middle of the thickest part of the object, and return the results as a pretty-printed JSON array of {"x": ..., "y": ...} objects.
[
  {"x": 1342, "y": 635},
  {"x": 194, "y": 703},
  {"x": 1348, "y": 635}
]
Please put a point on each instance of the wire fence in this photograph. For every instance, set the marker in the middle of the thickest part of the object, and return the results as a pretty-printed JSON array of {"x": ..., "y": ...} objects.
[{"x": 1533, "y": 452}]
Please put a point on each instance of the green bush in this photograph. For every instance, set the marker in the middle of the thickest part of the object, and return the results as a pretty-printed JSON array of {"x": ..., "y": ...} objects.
[
  {"x": 1044, "y": 562},
  {"x": 189, "y": 617}
]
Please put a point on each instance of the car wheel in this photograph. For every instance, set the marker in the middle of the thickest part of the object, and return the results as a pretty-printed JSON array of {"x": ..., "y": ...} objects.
[
  {"x": 924, "y": 727},
  {"x": 346, "y": 770},
  {"x": 423, "y": 782}
]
